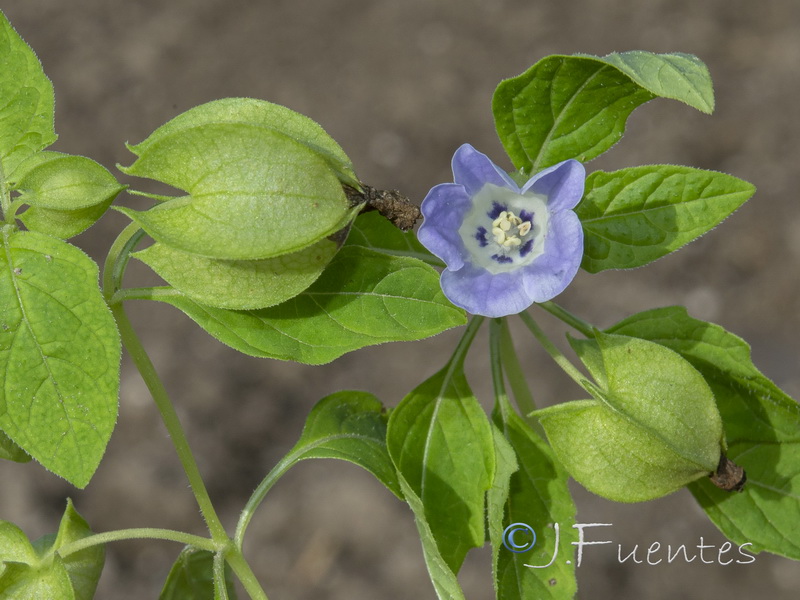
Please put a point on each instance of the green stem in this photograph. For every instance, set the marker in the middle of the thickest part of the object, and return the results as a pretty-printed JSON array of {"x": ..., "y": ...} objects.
[
  {"x": 556, "y": 354},
  {"x": 138, "y": 534},
  {"x": 568, "y": 318},
  {"x": 245, "y": 575},
  {"x": 118, "y": 256},
  {"x": 171, "y": 421},
  {"x": 287, "y": 461}
]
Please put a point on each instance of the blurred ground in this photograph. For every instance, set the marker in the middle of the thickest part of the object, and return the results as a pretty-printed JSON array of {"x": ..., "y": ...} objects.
[{"x": 400, "y": 85}]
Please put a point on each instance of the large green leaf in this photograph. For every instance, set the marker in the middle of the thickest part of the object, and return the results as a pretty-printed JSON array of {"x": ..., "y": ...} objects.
[
  {"x": 264, "y": 114},
  {"x": 363, "y": 298},
  {"x": 60, "y": 352},
  {"x": 26, "y": 109},
  {"x": 762, "y": 425},
  {"x": 254, "y": 192},
  {"x": 240, "y": 284},
  {"x": 372, "y": 230},
  {"x": 538, "y": 497},
  {"x": 441, "y": 441},
  {"x": 633, "y": 216},
  {"x": 576, "y": 106},
  {"x": 653, "y": 428}
]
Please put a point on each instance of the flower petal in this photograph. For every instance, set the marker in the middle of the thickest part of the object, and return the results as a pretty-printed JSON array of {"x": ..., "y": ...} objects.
[
  {"x": 444, "y": 208},
  {"x": 548, "y": 275},
  {"x": 473, "y": 170},
  {"x": 562, "y": 183},
  {"x": 481, "y": 293}
]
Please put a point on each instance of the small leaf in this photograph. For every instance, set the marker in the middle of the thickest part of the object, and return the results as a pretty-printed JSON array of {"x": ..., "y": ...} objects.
[
  {"x": 633, "y": 216},
  {"x": 539, "y": 497},
  {"x": 349, "y": 426},
  {"x": 239, "y": 284},
  {"x": 64, "y": 182},
  {"x": 371, "y": 230},
  {"x": 26, "y": 114},
  {"x": 60, "y": 351},
  {"x": 762, "y": 425},
  {"x": 85, "y": 566},
  {"x": 254, "y": 192},
  {"x": 192, "y": 577},
  {"x": 362, "y": 298},
  {"x": 264, "y": 114},
  {"x": 10, "y": 451},
  {"x": 576, "y": 106},
  {"x": 66, "y": 194},
  {"x": 25, "y": 582},
  {"x": 441, "y": 441},
  {"x": 652, "y": 430}
]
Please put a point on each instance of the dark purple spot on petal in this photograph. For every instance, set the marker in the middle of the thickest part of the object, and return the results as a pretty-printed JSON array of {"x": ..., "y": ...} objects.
[
  {"x": 526, "y": 216},
  {"x": 480, "y": 235},
  {"x": 502, "y": 258},
  {"x": 526, "y": 248},
  {"x": 497, "y": 208}
]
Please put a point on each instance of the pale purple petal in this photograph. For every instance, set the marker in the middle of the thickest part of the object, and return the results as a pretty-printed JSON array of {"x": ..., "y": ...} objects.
[
  {"x": 486, "y": 274},
  {"x": 480, "y": 293},
  {"x": 562, "y": 183},
  {"x": 547, "y": 276},
  {"x": 444, "y": 208},
  {"x": 473, "y": 170}
]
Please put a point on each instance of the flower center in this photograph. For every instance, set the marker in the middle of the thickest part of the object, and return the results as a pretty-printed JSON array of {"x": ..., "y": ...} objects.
[{"x": 504, "y": 230}]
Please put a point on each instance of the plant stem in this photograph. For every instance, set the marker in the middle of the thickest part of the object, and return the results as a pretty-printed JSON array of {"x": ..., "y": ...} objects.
[
  {"x": 568, "y": 318},
  {"x": 245, "y": 574},
  {"x": 556, "y": 354},
  {"x": 138, "y": 534},
  {"x": 117, "y": 259},
  {"x": 171, "y": 421}
]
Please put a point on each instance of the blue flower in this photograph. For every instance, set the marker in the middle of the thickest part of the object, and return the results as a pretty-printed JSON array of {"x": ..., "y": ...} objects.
[{"x": 505, "y": 246}]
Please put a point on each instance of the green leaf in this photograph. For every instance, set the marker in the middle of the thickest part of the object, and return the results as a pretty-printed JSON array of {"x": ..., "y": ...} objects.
[
  {"x": 254, "y": 192},
  {"x": 371, "y": 230},
  {"x": 10, "y": 451},
  {"x": 264, "y": 114},
  {"x": 497, "y": 496},
  {"x": 60, "y": 352},
  {"x": 85, "y": 566},
  {"x": 652, "y": 430},
  {"x": 442, "y": 577},
  {"x": 633, "y": 216},
  {"x": 36, "y": 571},
  {"x": 64, "y": 182},
  {"x": 576, "y": 106},
  {"x": 540, "y": 498},
  {"x": 239, "y": 284},
  {"x": 350, "y": 426},
  {"x": 441, "y": 441},
  {"x": 26, "y": 114},
  {"x": 362, "y": 298},
  {"x": 762, "y": 425},
  {"x": 66, "y": 194},
  {"x": 192, "y": 577}
]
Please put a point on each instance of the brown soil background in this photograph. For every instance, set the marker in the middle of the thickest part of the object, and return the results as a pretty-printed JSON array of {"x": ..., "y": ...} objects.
[{"x": 400, "y": 85}]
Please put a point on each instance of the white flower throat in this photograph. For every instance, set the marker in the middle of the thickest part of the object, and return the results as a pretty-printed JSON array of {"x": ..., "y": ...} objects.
[{"x": 505, "y": 230}]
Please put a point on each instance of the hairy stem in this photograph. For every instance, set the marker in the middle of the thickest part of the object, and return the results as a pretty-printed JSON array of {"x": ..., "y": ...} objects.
[{"x": 138, "y": 534}]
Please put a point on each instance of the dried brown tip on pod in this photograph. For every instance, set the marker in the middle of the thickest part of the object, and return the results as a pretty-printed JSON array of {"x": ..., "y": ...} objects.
[
  {"x": 393, "y": 205},
  {"x": 729, "y": 476}
]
